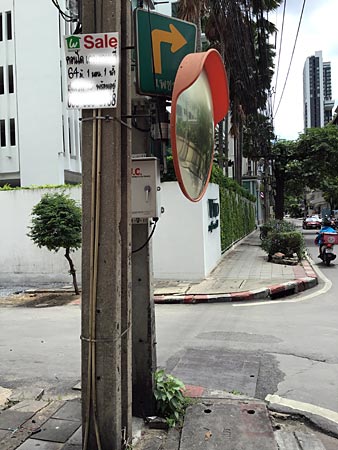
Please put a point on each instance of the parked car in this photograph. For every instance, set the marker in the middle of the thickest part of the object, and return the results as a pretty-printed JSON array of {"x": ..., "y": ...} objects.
[{"x": 313, "y": 222}]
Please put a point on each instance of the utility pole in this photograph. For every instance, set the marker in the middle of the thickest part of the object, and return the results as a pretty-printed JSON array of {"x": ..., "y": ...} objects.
[
  {"x": 106, "y": 251},
  {"x": 144, "y": 345}
]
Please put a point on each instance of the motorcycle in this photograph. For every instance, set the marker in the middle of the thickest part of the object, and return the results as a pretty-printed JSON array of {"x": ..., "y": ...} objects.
[{"x": 326, "y": 247}]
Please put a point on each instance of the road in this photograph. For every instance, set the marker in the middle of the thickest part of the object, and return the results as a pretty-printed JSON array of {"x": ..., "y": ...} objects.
[
  {"x": 293, "y": 342},
  {"x": 286, "y": 347}
]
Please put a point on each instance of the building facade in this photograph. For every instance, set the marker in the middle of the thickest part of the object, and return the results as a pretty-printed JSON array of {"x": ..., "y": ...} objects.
[
  {"x": 39, "y": 137},
  {"x": 317, "y": 92}
]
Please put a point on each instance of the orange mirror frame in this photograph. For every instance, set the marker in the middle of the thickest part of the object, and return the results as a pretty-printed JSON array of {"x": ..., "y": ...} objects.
[{"x": 190, "y": 70}]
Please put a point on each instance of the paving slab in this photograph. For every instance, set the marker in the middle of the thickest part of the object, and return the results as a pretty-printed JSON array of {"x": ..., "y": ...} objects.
[
  {"x": 30, "y": 427},
  {"x": 57, "y": 430},
  {"x": 286, "y": 440},
  {"x": 71, "y": 410},
  {"x": 173, "y": 440},
  {"x": 69, "y": 446},
  {"x": 218, "y": 369},
  {"x": 227, "y": 426},
  {"x": 76, "y": 438},
  {"x": 29, "y": 405},
  {"x": 308, "y": 441},
  {"x": 33, "y": 444},
  {"x": 11, "y": 420}
]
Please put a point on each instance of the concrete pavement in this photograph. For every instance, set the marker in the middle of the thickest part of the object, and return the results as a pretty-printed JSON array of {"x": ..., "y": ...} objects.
[
  {"x": 243, "y": 273},
  {"x": 218, "y": 420}
]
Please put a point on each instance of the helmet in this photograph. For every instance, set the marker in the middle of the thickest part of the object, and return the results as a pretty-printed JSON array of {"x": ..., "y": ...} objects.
[{"x": 326, "y": 221}]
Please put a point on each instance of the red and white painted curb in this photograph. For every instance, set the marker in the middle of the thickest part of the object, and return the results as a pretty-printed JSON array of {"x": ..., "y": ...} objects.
[{"x": 299, "y": 284}]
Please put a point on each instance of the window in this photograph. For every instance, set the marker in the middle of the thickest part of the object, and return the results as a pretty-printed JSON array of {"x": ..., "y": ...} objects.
[
  {"x": 2, "y": 87},
  {"x": 2, "y": 133},
  {"x": 10, "y": 80},
  {"x": 1, "y": 33},
  {"x": 9, "y": 25},
  {"x": 12, "y": 131}
]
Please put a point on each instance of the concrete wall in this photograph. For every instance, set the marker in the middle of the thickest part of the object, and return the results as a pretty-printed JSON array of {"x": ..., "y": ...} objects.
[
  {"x": 21, "y": 260},
  {"x": 183, "y": 248}
]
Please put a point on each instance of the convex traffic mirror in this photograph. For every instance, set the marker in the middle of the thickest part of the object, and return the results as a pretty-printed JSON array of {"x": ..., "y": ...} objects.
[{"x": 200, "y": 100}]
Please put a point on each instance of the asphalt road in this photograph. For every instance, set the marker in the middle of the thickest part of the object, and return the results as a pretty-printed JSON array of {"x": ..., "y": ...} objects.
[
  {"x": 286, "y": 347},
  {"x": 294, "y": 340}
]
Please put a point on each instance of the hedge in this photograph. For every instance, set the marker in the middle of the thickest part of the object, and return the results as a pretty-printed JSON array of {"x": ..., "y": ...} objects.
[
  {"x": 237, "y": 209},
  {"x": 286, "y": 242}
]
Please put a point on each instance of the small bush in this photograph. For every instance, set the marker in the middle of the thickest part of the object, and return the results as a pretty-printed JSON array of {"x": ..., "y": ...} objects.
[
  {"x": 170, "y": 401},
  {"x": 286, "y": 242},
  {"x": 275, "y": 225}
]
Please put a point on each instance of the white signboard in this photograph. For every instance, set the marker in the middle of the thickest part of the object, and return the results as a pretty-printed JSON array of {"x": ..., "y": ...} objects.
[{"x": 92, "y": 63}]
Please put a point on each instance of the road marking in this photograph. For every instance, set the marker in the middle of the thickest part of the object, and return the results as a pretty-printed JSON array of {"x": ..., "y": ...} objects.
[
  {"x": 327, "y": 286},
  {"x": 303, "y": 407}
]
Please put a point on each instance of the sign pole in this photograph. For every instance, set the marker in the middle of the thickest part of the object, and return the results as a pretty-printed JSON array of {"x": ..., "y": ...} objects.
[{"x": 106, "y": 247}]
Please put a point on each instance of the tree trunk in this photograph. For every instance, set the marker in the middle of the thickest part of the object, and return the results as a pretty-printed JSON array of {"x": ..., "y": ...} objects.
[{"x": 72, "y": 271}]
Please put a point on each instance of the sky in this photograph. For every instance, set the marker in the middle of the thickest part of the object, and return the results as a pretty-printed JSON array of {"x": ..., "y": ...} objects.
[{"x": 318, "y": 31}]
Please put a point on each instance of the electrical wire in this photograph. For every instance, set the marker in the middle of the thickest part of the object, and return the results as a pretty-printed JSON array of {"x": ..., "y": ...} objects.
[
  {"x": 279, "y": 53},
  {"x": 65, "y": 16},
  {"x": 155, "y": 219},
  {"x": 293, "y": 51},
  {"x": 94, "y": 245}
]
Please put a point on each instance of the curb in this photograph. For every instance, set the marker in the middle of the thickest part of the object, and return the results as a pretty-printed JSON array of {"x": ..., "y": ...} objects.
[
  {"x": 267, "y": 293},
  {"x": 325, "y": 420}
]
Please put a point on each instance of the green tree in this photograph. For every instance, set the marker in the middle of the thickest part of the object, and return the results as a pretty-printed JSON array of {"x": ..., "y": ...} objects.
[
  {"x": 317, "y": 154},
  {"x": 329, "y": 186},
  {"x": 56, "y": 223}
]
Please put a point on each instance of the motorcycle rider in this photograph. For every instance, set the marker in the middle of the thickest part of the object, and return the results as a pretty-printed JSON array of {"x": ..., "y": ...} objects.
[{"x": 326, "y": 228}]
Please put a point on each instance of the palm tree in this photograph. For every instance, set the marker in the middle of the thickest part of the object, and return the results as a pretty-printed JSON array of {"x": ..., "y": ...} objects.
[{"x": 240, "y": 30}]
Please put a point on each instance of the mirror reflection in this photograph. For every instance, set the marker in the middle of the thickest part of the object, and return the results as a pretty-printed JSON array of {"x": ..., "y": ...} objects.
[{"x": 195, "y": 135}]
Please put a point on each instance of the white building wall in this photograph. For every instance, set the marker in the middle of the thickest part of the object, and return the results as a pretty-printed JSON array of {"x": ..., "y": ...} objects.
[
  {"x": 47, "y": 134},
  {"x": 9, "y": 159},
  {"x": 39, "y": 92},
  {"x": 183, "y": 248},
  {"x": 21, "y": 260}
]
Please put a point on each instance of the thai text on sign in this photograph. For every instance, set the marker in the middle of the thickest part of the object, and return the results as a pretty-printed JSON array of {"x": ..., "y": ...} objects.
[{"x": 92, "y": 63}]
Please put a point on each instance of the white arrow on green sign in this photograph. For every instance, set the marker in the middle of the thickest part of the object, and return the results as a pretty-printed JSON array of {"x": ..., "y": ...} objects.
[{"x": 161, "y": 43}]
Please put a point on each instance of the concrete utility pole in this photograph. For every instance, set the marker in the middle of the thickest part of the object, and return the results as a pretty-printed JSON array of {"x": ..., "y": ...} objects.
[
  {"x": 144, "y": 346},
  {"x": 106, "y": 263}
]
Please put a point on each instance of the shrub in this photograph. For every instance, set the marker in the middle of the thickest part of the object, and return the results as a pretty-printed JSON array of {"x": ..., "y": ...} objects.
[
  {"x": 170, "y": 401},
  {"x": 275, "y": 225},
  {"x": 286, "y": 242}
]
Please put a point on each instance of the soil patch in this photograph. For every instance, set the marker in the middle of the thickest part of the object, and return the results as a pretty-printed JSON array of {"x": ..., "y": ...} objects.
[{"x": 39, "y": 299}]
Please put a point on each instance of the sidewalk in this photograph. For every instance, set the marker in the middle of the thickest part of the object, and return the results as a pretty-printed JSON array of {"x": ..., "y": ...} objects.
[
  {"x": 218, "y": 420},
  {"x": 243, "y": 273}
]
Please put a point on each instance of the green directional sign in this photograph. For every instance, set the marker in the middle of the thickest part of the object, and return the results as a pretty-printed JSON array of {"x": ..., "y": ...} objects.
[{"x": 161, "y": 44}]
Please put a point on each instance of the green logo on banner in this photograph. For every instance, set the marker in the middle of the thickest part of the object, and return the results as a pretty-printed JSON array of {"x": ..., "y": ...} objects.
[{"x": 73, "y": 42}]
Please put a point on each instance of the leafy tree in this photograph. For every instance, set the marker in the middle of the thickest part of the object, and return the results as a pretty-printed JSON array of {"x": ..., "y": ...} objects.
[
  {"x": 317, "y": 154},
  {"x": 56, "y": 223},
  {"x": 329, "y": 186}
]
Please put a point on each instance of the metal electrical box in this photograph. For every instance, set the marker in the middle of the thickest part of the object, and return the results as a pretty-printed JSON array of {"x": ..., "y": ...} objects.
[{"x": 145, "y": 188}]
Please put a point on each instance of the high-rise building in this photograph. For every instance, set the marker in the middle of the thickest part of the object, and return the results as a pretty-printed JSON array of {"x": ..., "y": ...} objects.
[
  {"x": 318, "y": 103},
  {"x": 39, "y": 137}
]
